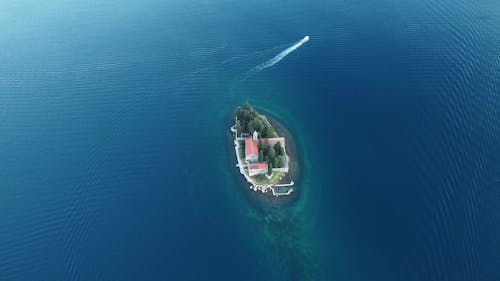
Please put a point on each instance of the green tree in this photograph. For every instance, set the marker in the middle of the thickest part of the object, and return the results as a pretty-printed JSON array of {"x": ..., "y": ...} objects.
[
  {"x": 266, "y": 151},
  {"x": 279, "y": 149},
  {"x": 250, "y": 128},
  {"x": 271, "y": 154},
  {"x": 258, "y": 124},
  {"x": 278, "y": 162},
  {"x": 250, "y": 121},
  {"x": 261, "y": 156},
  {"x": 260, "y": 142},
  {"x": 270, "y": 168},
  {"x": 268, "y": 132},
  {"x": 239, "y": 113},
  {"x": 246, "y": 116}
]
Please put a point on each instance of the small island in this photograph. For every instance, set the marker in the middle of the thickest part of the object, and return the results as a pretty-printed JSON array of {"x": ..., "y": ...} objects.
[{"x": 260, "y": 152}]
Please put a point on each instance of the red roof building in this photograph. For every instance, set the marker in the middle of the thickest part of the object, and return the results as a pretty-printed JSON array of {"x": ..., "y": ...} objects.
[
  {"x": 257, "y": 168},
  {"x": 251, "y": 150}
]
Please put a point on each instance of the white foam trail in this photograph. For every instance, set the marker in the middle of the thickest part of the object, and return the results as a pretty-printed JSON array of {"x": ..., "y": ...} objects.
[{"x": 281, "y": 55}]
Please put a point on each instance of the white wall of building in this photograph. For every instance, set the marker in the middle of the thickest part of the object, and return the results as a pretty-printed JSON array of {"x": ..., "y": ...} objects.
[
  {"x": 252, "y": 158},
  {"x": 253, "y": 172}
]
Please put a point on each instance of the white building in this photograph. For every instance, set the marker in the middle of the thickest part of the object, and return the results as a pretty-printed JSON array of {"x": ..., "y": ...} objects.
[{"x": 252, "y": 149}]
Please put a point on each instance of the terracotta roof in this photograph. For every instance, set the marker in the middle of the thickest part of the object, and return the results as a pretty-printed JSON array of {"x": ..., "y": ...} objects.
[
  {"x": 257, "y": 166},
  {"x": 251, "y": 147}
]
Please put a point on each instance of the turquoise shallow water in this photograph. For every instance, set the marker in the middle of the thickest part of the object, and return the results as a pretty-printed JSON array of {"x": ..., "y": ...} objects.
[{"x": 116, "y": 160}]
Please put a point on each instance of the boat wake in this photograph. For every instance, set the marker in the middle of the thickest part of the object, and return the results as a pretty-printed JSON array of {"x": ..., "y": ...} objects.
[{"x": 281, "y": 55}]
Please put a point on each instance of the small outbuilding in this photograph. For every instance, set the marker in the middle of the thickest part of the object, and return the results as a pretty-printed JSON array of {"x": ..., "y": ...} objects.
[{"x": 257, "y": 169}]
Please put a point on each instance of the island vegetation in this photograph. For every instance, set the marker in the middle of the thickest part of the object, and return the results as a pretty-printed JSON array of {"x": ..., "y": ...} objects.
[
  {"x": 261, "y": 153},
  {"x": 249, "y": 121}
]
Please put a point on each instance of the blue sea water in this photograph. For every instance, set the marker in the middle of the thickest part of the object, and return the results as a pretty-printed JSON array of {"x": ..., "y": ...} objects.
[{"x": 116, "y": 161}]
